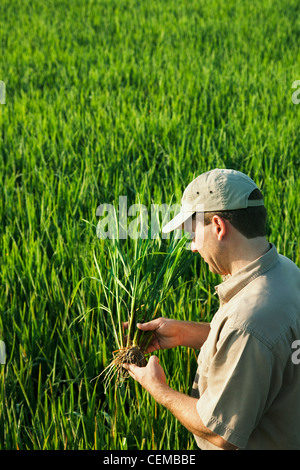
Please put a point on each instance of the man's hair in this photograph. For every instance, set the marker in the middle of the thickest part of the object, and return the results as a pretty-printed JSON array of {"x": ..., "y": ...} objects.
[{"x": 250, "y": 222}]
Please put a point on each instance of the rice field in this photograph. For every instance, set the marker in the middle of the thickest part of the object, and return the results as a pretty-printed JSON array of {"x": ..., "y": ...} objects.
[{"x": 110, "y": 98}]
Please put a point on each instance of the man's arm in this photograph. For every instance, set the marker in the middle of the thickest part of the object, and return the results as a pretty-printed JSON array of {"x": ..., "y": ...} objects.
[
  {"x": 169, "y": 333},
  {"x": 193, "y": 334},
  {"x": 183, "y": 407}
]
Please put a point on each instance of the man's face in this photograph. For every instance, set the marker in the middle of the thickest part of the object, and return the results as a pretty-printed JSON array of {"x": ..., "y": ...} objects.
[{"x": 205, "y": 242}]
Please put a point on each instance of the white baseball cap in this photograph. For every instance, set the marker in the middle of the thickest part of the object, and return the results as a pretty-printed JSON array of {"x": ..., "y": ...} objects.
[{"x": 216, "y": 190}]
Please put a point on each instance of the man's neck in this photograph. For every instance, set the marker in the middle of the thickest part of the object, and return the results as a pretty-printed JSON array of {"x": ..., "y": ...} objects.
[{"x": 247, "y": 251}]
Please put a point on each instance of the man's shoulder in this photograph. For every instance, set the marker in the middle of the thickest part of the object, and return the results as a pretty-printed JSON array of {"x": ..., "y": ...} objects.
[
  {"x": 270, "y": 304},
  {"x": 288, "y": 264}
]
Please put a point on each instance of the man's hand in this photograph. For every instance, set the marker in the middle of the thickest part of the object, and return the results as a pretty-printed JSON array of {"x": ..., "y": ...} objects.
[
  {"x": 152, "y": 377},
  {"x": 169, "y": 333},
  {"x": 166, "y": 333}
]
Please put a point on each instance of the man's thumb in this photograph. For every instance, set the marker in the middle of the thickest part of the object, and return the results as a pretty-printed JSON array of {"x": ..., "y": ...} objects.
[
  {"x": 153, "y": 360},
  {"x": 150, "y": 325},
  {"x": 143, "y": 326}
]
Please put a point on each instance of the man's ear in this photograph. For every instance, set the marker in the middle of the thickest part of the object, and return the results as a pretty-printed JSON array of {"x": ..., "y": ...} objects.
[{"x": 219, "y": 226}]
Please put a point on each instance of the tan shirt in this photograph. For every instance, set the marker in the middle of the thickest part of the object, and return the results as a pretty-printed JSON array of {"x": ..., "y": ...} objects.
[{"x": 247, "y": 383}]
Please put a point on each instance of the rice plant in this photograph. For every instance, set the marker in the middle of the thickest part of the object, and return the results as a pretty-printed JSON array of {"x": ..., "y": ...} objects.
[{"x": 145, "y": 285}]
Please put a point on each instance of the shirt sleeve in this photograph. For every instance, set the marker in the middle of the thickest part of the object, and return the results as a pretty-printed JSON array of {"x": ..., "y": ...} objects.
[{"x": 238, "y": 383}]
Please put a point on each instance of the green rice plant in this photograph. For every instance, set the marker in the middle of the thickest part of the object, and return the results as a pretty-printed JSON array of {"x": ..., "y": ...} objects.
[{"x": 145, "y": 285}]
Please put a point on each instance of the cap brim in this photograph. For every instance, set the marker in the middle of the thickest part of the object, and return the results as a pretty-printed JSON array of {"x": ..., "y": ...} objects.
[{"x": 177, "y": 221}]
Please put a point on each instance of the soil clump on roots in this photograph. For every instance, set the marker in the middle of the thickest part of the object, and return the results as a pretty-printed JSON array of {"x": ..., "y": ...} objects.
[{"x": 128, "y": 355}]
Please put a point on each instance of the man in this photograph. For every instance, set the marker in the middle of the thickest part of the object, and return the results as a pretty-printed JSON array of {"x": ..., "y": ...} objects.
[{"x": 246, "y": 393}]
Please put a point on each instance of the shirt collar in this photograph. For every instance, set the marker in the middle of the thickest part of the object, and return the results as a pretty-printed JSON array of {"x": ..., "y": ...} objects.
[{"x": 235, "y": 283}]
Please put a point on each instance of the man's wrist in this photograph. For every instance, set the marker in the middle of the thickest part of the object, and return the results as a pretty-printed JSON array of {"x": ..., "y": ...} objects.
[
  {"x": 166, "y": 396},
  {"x": 161, "y": 392}
]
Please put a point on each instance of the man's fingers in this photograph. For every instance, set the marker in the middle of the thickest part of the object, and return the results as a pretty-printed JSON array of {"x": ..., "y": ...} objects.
[
  {"x": 141, "y": 326},
  {"x": 127, "y": 367},
  {"x": 131, "y": 368},
  {"x": 151, "y": 325}
]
